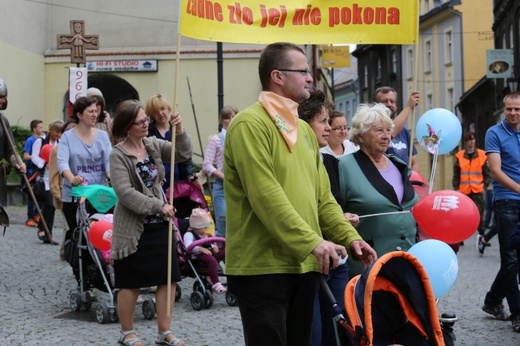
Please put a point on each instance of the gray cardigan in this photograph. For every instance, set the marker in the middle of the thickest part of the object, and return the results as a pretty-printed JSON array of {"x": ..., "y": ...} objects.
[{"x": 135, "y": 200}]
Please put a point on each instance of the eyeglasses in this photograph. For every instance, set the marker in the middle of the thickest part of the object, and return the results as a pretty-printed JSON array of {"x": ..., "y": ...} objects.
[
  {"x": 302, "y": 72},
  {"x": 142, "y": 123},
  {"x": 340, "y": 128}
]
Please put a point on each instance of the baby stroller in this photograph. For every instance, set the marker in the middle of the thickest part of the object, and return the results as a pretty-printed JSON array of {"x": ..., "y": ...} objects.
[
  {"x": 89, "y": 267},
  {"x": 188, "y": 196},
  {"x": 392, "y": 302}
]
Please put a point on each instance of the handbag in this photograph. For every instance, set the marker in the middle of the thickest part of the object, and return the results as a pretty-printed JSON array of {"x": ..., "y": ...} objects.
[{"x": 36, "y": 184}]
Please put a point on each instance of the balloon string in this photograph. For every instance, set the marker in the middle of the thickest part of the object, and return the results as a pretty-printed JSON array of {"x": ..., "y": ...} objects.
[
  {"x": 434, "y": 169},
  {"x": 389, "y": 213}
]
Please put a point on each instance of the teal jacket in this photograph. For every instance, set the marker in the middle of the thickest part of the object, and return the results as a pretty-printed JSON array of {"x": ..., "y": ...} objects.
[
  {"x": 278, "y": 201},
  {"x": 365, "y": 191}
]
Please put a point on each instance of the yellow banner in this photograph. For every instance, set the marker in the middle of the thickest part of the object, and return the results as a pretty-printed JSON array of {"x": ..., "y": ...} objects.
[
  {"x": 335, "y": 56},
  {"x": 301, "y": 22}
]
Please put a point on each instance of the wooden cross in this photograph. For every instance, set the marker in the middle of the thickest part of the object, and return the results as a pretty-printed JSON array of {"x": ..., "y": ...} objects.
[{"x": 77, "y": 41}]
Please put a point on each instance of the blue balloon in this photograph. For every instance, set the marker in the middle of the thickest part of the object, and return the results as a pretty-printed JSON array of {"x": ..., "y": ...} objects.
[
  {"x": 440, "y": 262},
  {"x": 438, "y": 130}
]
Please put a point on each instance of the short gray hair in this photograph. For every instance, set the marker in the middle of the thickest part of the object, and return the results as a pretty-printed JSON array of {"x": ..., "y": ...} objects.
[{"x": 367, "y": 115}]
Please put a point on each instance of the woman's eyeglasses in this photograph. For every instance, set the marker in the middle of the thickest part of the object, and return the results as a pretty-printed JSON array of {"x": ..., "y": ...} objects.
[{"x": 142, "y": 123}]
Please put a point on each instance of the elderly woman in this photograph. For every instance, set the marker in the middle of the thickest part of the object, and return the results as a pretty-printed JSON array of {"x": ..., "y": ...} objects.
[{"x": 375, "y": 184}]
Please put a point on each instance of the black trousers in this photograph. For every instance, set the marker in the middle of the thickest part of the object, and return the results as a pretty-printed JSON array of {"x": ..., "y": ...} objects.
[
  {"x": 48, "y": 211},
  {"x": 276, "y": 309}
]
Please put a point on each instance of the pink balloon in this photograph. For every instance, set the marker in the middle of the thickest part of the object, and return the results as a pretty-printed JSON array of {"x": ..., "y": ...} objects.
[
  {"x": 447, "y": 215},
  {"x": 100, "y": 235},
  {"x": 45, "y": 152}
]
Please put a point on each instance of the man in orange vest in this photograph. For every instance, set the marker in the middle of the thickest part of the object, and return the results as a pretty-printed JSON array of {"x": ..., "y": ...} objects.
[{"x": 471, "y": 174}]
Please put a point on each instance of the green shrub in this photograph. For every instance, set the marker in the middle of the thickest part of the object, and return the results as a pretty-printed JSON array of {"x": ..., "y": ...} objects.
[{"x": 20, "y": 134}]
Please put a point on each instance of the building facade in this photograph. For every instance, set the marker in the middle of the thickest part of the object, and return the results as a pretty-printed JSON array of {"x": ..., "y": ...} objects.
[
  {"x": 441, "y": 65},
  {"x": 36, "y": 72},
  {"x": 481, "y": 106}
]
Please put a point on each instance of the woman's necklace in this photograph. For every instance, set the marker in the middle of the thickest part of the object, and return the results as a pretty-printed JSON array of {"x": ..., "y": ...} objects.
[{"x": 136, "y": 150}]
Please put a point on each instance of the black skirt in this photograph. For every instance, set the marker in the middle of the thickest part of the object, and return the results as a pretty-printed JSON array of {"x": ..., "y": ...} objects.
[{"x": 149, "y": 265}]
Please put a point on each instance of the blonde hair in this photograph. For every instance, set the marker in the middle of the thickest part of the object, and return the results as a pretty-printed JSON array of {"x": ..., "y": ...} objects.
[{"x": 153, "y": 105}]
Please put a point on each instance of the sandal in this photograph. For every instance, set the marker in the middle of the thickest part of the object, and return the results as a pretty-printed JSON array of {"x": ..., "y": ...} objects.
[
  {"x": 219, "y": 288},
  {"x": 130, "y": 341},
  {"x": 161, "y": 339}
]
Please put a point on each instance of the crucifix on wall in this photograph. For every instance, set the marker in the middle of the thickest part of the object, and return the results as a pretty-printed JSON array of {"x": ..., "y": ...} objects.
[{"x": 77, "y": 41}]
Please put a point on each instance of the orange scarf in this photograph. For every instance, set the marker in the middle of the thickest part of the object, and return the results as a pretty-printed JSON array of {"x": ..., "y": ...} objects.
[{"x": 284, "y": 113}]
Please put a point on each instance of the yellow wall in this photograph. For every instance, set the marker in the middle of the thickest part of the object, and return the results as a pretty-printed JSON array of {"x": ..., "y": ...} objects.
[
  {"x": 241, "y": 88},
  {"x": 23, "y": 73},
  {"x": 477, "y": 37}
]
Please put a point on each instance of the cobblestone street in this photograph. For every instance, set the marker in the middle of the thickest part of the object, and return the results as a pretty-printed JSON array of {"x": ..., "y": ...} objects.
[{"x": 35, "y": 287}]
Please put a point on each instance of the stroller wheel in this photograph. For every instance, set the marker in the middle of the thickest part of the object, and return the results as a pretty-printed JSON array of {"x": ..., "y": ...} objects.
[
  {"x": 178, "y": 292},
  {"x": 231, "y": 299},
  {"x": 197, "y": 300},
  {"x": 101, "y": 313},
  {"x": 86, "y": 300},
  {"x": 75, "y": 301},
  {"x": 197, "y": 287},
  {"x": 148, "y": 308},
  {"x": 208, "y": 299},
  {"x": 112, "y": 314}
]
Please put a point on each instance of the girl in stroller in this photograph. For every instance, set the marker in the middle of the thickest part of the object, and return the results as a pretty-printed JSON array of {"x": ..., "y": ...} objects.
[{"x": 209, "y": 254}]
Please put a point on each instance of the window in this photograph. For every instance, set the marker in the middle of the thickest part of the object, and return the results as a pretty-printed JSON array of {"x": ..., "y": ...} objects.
[
  {"x": 511, "y": 37},
  {"x": 347, "y": 109},
  {"x": 429, "y": 101},
  {"x": 409, "y": 63},
  {"x": 340, "y": 107},
  {"x": 450, "y": 103},
  {"x": 428, "y": 56},
  {"x": 379, "y": 69},
  {"x": 448, "y": 47}
]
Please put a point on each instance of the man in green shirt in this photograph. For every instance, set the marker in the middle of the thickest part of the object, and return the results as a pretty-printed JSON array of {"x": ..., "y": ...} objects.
[{"x": 278, "y": 204}]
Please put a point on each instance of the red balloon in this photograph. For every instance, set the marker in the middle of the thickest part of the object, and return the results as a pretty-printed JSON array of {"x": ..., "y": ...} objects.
[
  {"x": 45, "y": 152},
  {"x": 417, "y": 177},
  {"x": 447, "y": 215},
  {"x": 100, "y": 235}
]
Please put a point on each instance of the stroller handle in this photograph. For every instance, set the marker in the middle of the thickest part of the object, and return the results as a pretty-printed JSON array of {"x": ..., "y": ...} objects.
[{"x": 201, "y": 242}]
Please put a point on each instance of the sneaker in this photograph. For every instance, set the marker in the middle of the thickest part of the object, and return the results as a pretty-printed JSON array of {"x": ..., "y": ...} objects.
[
  {"x": 481, "y": 246},
  {"x": 498, "y": 312},
  {"x": 31, "y": 223},
  {"x": 36, "y": 218}
]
